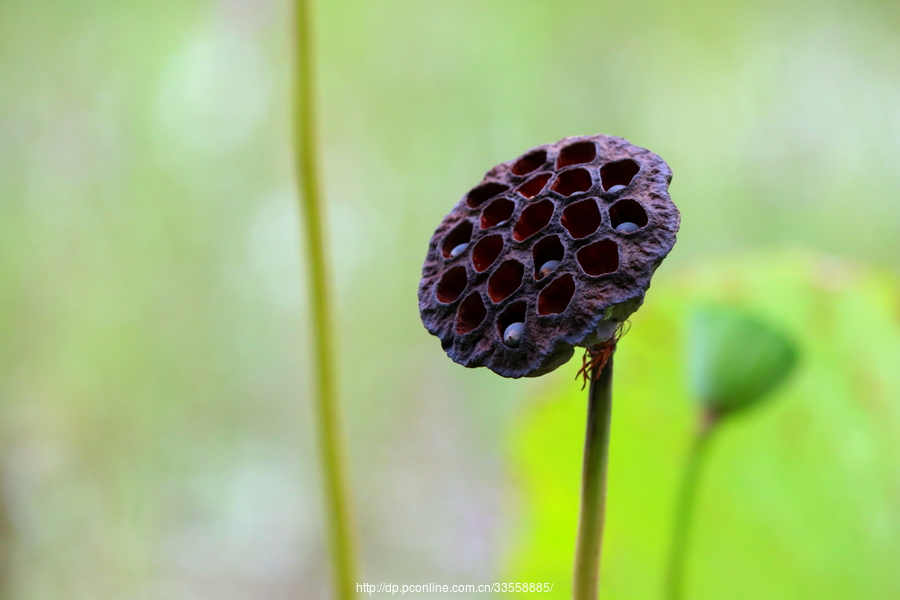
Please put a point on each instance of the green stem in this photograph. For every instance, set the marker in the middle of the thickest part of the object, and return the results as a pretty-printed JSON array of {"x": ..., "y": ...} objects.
[
  {"x": 593, "y": 487},
  {"x": 687, "y": 498},
  {"x": 330, "y": 446}
]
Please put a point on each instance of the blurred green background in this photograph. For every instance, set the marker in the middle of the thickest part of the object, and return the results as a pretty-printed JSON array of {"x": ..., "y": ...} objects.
[{"x": 155, "y": 422}]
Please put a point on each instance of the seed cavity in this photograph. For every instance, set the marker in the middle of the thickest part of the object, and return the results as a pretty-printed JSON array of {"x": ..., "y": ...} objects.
[
  {"x": 511, "y": 324},
  {"x": 576, "y": 154},
  {"x": 581, "y": 218},
  {"x": 459, "y": 235},
  {"x": 555, "y": 298},
  {"x": 599, "y": 258},
  {"x": 533, "y": 186},
  {"x": 451, "y": 285},
  {"x": 548, "y": 250},
  {"x": 530, "y": 162},
  {"x": 627, "y": 211},
  {"x": 483, "y": 193},
  {"x": 470, "y": 314},
  {"x": 486, "y": 252},
  {"x": 572, "y": 181},
  {"x": 534, "y": 218},
  {"x": 497, "y": 213},
  {"x": 618, "y": 173},
  {"x": 505, "y": 280}
]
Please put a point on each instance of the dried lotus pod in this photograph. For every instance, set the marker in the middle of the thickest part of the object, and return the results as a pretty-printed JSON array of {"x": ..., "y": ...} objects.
[{"x": 563, "y": 240}]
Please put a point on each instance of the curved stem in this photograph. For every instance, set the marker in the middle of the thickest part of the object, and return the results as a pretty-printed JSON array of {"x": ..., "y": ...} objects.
[
  {"x": 330, "y": 446},
  {"x": 687, "y": 498},
  {"x": 593, "y": 487}
]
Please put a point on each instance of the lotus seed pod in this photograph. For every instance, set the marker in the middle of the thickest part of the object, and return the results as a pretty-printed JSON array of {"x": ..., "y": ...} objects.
[{"x": 558, "y": 204}]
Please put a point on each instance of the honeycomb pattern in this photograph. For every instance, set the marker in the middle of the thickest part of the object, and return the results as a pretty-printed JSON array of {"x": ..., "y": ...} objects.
[{"x": 563, "y": 240}]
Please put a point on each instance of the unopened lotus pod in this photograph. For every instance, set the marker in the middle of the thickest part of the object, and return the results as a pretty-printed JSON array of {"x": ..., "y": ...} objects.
[{"x": 563, "y": 239}]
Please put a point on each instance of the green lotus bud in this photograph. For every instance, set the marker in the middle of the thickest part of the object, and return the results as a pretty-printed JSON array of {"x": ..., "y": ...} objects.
[{"x": 736, "y": 359}]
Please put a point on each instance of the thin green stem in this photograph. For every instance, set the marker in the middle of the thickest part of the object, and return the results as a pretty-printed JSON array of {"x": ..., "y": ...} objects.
[
  {"x": 330, "y": 443},
  {"x": 593, "y": 487},
  {"x": 687, "y": 498}
]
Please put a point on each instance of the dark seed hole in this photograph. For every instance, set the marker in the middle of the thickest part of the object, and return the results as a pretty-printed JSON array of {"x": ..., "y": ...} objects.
[
  {"x": 572, "y": 181},
  {"x": 533, "y": 186},
  {"x": 497, "y": 212},
  {"x": 576, "y": 154},
  {"x": 618, "y": 173},
  {"x": 486, "y": 252},
  {"x": 530, "y": 162},
  {"x": 581, "y": 218},
  {"x": 484, "y": 192},
  {"x": 549, "y": 248},
  {"x": 470, "y": 314},
  {"x": 599, "y": 258},
  {"x": 461, "y": 234},
  {"x": 505, "y": 280},
  {"x": 556, "y": 296},
  {"x": 452, "y": 285},
  {"x": 533, "y": 219},
  {"x": 627, "y": 211},
  {"x": 514, "y": 313}
]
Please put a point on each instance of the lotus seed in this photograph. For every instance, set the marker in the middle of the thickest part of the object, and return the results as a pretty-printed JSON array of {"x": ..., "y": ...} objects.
[
  {"x": 547, "y": 268},
  {"x": 512, "y": 337},
  {"x": 457, "y": 250},
  {"x": 626, "y": 227},
  {"x": 615, "y": 189}
]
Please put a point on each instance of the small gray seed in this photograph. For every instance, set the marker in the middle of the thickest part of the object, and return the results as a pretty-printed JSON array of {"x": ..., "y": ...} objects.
[
  {"x": 627, "y": 227},
  {"x": 457, "y": 250},
  {"x": 547, "y": 268},
  {"x": 615, "y": 189},
  {"x": 512, "y": 337}
]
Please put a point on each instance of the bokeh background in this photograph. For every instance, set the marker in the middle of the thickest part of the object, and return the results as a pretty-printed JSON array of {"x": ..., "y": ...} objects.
[{"x": 156, "y": 434}]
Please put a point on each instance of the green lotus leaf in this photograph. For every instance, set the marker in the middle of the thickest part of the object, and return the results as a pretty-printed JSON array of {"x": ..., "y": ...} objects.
[{"x": 798, "y": 501}]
